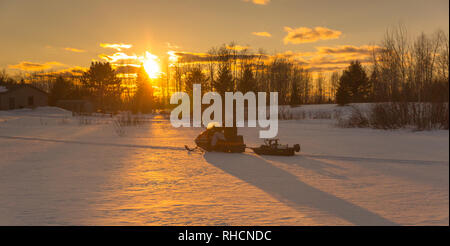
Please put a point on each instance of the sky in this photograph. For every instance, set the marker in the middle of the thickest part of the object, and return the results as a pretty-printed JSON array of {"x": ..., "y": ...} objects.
[{"x": 62, "y": 34}]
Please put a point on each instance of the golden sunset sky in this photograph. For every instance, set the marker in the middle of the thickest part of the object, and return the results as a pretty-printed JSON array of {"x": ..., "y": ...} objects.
[{"x": 61, "y": 35}]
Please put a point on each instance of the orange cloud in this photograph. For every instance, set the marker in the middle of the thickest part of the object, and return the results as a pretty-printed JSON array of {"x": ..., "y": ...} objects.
[
  {"x": 322, "y": 63},
  {"x": 74, "y": 50},
  {"x": 128, "y": 65},
  {"x": 187, "y": 57},
  {"x": 34, "y": 66},
  {"x": 117, "y": 47},
  {"x": 237, "y": 47},
  {"x": 73, "y": 71},
  {"x": 262, "y": 34},
  {"x": 258, "y": 2},
  {"x": 349, "y": 49},
  {"x": 119, "y": 57},
  {"x": 172, "y": 46},
  {"x": 326, "y": 59},
  {"x": 307, "y": 35},
  {"x": 192, "y": 57}
]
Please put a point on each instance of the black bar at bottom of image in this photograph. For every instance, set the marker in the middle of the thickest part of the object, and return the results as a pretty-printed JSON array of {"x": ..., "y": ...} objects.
[{"x": 213, "y": 235}]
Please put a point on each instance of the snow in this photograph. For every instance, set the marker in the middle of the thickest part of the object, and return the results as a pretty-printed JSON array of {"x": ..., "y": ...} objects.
[{"x": 56, "y": 169}]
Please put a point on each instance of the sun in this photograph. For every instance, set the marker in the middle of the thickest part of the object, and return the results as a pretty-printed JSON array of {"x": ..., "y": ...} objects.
[{"x": 151, "y": 65}]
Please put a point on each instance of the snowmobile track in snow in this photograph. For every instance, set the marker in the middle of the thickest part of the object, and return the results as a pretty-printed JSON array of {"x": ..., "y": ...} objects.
[
  {"x": 318, "y": 156},
  {"x": 92, "y": 143},
  {"x": 371, "y": 159}
]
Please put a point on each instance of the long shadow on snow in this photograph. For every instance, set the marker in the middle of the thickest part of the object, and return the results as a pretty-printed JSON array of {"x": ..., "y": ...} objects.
[
  {"x": 317, "y": 166},
  {"x": 288, "y": 189},
  {"x": 371, "y": 159}
]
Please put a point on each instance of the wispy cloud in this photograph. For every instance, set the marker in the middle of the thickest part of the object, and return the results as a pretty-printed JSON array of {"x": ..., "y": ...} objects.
[
  {"x": 258, "y": 2},
  {"x": 326, "y": 59},
  {"x": 118, "y": 47},
  {"x": 307, "y": 35},
  {"x": 186, "y": 57},
  {"x": 74, "y": 50},
  {"x": 72, "y": 71},
  {"x": 349, "y": 49},
  {"x": 192, "y": 57},
  {"x": 333, "y": 60},
  {"x": 237, "y": 47},
  {"x": 34, "y": 66},
  {"x": 127, "y": 65},
  {"x": 120, "y": 58},
  {"x": 172, "y": 46},
  {"x": 262, "y": 34}
]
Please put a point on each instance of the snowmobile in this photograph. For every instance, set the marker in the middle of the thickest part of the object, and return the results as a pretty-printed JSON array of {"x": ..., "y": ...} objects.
[
  {"x": 272, "y": 147},
  {"x": 221, "y": 139}
]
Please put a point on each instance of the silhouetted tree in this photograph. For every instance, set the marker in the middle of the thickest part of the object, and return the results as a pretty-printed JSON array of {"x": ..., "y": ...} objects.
[
  {"x": 224, "y": 82},
  {"x": 143, "y": 100},
  {"x": 295, "y": 98},
  {"x": 343, "y": 96},
  {"x": 248, "y": 82},
  {"x": 103, "y": 85},
  {"x": 353, "y": 85},
  {"x": 61, "y": 89},
  {"x": 334, "y": 83},
  {"x": 320, "y": 95},
  {"x": 5, "y": 79},
  {"x": 195, "y": 76},
  {"x": 302, "y": 78},
  {"x": 279, "y": 77}
]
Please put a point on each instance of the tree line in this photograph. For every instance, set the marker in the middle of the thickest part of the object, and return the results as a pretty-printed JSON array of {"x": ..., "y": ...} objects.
[{"x": 402, "y": 69}]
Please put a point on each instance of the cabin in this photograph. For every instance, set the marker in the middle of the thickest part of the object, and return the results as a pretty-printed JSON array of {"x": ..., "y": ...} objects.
[{"x": 22, "y": 96}]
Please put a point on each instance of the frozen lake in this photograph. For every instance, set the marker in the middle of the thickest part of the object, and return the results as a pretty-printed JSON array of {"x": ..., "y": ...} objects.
[{"x": 57, "y": 170}]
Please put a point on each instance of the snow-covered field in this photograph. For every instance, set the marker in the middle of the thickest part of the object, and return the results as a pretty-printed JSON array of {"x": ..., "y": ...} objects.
[{"x": 56, "y": 169}]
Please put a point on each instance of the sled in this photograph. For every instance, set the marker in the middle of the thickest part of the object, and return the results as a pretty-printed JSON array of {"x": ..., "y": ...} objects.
[{"x": 272, "y": 147}]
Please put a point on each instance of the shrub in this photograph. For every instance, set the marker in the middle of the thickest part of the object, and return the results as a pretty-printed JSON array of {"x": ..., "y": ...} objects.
[
  {"x": 394, "y": 115},
  {"x": 124, "y": 120},
  {"x": 357, "y": 118}
]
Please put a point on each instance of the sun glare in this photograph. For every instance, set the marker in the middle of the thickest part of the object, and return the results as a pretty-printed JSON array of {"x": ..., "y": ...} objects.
[
  {"x": 151, "y": 65},
  {"x": 173, "y": 58}
]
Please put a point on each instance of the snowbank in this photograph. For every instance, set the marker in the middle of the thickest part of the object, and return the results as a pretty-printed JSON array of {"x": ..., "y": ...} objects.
[{"x": 43, "y": 111}]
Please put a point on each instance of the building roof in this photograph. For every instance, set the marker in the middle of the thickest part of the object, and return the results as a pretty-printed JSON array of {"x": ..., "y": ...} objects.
[{"x": 12, "y": 87}]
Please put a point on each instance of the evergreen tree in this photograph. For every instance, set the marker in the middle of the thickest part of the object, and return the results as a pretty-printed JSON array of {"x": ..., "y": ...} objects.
[
  {"x": 353, "y": 85},
  {"x": 195, "y": 76},
  {"x": 143, "y": 99},
  {"x": 224, "y": 81},
  {"x": 343, "y": 96},
  {"x": 61, "y": 89},
  {"x": 103, "y": 85},
  {"x": 248, "y": 82}
]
